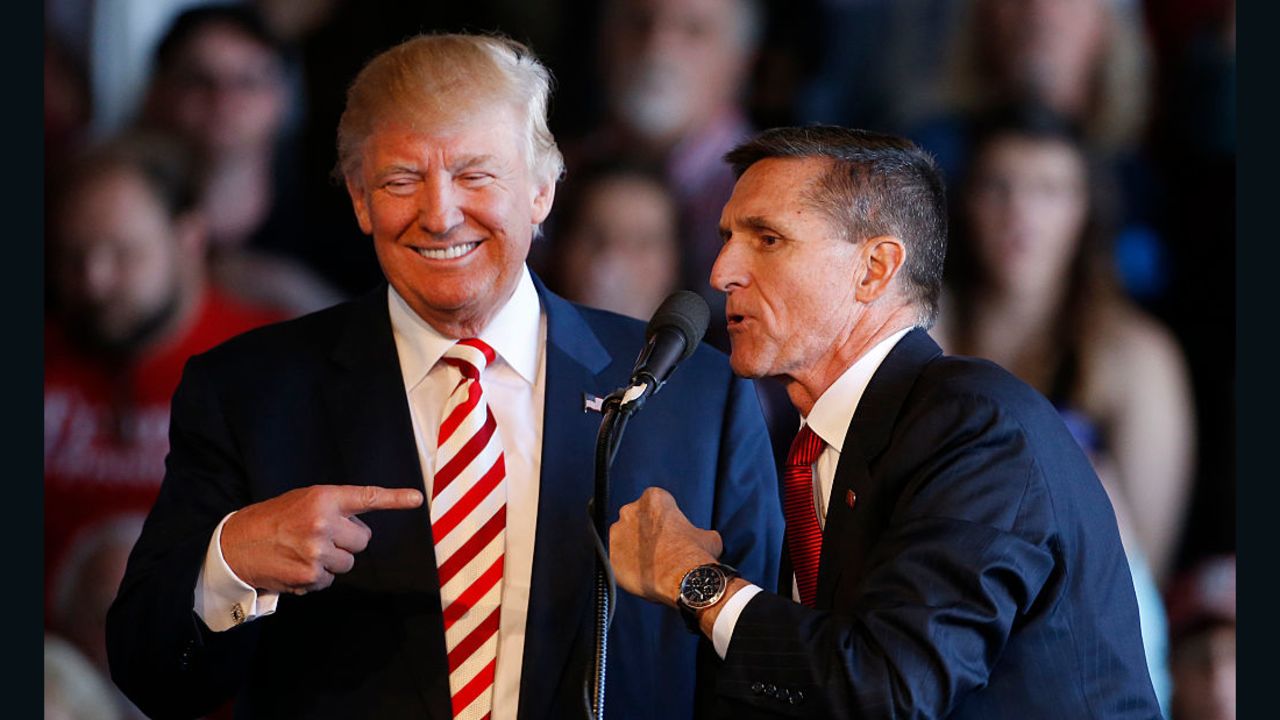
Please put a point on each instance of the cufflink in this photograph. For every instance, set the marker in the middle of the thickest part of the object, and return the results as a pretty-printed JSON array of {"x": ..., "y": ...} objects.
[
  {"x": 237, "y": 614},
  {"x": 850, "y": 498}
]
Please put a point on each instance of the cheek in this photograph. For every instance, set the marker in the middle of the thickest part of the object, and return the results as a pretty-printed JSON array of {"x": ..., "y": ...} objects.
[{"x": 389, "y": 218}]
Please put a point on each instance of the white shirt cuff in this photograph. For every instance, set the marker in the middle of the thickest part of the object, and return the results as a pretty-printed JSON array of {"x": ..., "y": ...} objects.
[
  {"x": 223, "y": 600},
  {"x": 722, "y": 631}
]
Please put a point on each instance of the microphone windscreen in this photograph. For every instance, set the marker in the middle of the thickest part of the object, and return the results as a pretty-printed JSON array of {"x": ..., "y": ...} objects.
[{"x": 685, "y": 312}]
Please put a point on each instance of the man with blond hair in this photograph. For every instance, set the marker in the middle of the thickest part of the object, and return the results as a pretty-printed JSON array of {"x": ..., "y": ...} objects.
[{"x": 293, "y": 557}]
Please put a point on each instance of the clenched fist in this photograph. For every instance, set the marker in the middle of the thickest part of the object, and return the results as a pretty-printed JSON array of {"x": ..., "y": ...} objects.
[{"x": 653, "y": 545}]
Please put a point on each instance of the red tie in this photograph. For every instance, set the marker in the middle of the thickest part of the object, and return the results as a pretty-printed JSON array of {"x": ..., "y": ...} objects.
[
  {"x": 468, "y": 520},
  {"x": 804, "y": 537}
]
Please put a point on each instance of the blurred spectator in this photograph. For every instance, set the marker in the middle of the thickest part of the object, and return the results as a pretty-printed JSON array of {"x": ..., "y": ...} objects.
[
  {"x": 1086, "y": 59},
  {"x": 88, "y": 580},
  {"x": 112, "y": 40},
  {"x": 86, "y": 585},
  {"x": 73, "y": 688},
  {"x": 674, "y": 79},
  {"x": 615, "y": 243},
  {"x": 1202, "y": 619},
  {"x": 674, "y": 72},
  {"x": 1030, "y": 288},
  {"x": 219, "y": 84},
  {"x": 126, "y": 262}
]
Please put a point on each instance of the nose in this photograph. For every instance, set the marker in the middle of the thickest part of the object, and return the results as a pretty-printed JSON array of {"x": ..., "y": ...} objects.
[
  {"x": 728, "y": 272},
  {"x": 438, "y": 207}
]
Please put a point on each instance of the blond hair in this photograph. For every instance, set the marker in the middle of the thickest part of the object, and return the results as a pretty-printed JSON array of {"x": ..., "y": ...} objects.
[{"x": 448, "y": 78}]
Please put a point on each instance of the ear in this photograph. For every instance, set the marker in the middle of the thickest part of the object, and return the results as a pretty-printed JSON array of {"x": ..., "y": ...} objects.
[
  {"x": 882, "y": 257},
  {"x": 360, "y": 203},
  {"x": 543, "y": 196}
]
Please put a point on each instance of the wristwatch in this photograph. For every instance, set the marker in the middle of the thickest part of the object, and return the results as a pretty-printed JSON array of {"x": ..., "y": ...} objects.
[{"x": 700, "y": 588}]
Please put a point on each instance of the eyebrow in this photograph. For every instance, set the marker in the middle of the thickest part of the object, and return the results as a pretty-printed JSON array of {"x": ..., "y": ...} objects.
[
  {"x": 462, "y": 163},
  {"x": 755, "y": 223},
  {"x": 470, "y": 161}
]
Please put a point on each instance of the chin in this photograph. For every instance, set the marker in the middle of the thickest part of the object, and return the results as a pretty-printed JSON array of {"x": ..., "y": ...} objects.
[{"x": 746, "y": 366}]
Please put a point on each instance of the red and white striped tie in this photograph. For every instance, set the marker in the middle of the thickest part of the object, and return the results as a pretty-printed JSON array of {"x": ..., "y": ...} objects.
[{"x": 468, "y": 521}]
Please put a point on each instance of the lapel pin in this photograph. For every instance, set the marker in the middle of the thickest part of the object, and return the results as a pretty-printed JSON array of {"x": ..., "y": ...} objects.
[
  {"x": 850, "y": 498},
  {"x": 591, "y": 403}
]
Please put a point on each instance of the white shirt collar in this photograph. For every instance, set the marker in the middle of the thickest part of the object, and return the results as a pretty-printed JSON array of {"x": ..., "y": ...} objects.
[
  {"x": 513, "y": 334},
  {"x": 833, "y": 411}
]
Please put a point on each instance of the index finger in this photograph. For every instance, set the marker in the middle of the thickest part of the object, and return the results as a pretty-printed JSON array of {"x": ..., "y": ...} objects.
[{"x": 354, "y": 499}]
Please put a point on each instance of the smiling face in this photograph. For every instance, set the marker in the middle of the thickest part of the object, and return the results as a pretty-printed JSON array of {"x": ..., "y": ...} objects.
[
  {"x": 789, "y": 273},
  {"x": 452, "y": 208}
]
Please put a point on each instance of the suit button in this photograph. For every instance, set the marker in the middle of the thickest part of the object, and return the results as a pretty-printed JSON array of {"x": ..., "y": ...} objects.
[{"x": 757, "y": 687}]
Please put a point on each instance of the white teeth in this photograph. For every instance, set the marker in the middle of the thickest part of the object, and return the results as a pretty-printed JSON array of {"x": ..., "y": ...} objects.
[{"x": 448, "y": 253}]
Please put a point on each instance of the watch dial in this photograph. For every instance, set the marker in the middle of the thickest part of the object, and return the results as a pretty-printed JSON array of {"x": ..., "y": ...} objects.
[{"x": 702, "y": 586}]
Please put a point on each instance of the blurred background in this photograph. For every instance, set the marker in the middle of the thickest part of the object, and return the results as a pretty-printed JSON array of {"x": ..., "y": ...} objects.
[{"x": 1089, "y": 148}]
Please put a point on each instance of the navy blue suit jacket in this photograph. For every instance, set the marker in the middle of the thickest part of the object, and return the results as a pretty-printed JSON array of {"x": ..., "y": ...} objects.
[
  {"x": 320, "y": 400},
  {"x": 970, "y": 568}
]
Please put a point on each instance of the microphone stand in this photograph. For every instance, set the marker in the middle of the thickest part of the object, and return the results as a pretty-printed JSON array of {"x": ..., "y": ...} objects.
[{"x": 617, "y": 408}]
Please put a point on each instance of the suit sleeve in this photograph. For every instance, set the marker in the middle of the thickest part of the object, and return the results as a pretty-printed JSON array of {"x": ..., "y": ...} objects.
[
  {"x": 161, "y": 654},
  {"x": 964, "y": 553}
]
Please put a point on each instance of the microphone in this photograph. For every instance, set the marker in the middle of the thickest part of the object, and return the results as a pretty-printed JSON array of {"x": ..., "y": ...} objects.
[{"x": 671, "y": 336}]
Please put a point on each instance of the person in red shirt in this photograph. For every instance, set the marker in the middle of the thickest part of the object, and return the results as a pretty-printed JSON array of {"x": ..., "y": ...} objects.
[{"x": 129, "y": 305}]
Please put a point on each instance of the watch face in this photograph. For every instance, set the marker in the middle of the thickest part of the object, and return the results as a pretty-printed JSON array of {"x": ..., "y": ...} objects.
[{"x": 702, "y": 586}]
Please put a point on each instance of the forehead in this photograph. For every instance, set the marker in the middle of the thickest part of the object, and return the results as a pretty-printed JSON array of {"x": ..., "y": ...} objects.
[
  {"x": 776, "y": 185},
  {"x": 1013, "y": 153},
  {"x": 494, "y": 134},
  {"x": 220, "y": 41},
  {"x": 116, "y": 204}
]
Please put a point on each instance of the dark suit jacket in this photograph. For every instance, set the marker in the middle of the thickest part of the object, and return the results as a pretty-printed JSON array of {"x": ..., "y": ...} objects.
[
  {"x": 974, "y": 572},
  {"x": 321, "y": 400}
]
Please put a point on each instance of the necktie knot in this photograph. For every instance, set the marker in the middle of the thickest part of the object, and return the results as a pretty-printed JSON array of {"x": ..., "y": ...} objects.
[
  {"x": 471, "y": 356},
  {"x": 805, "y": 448}
]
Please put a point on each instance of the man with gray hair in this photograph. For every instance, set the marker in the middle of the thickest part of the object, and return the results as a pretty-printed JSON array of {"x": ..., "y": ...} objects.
[
  {"x": 949, "y": 551},
  {"x": 380, "y": 510}
]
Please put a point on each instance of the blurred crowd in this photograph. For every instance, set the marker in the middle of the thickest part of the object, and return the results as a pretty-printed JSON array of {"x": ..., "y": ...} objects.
[{"x": 1089, "y": 147}]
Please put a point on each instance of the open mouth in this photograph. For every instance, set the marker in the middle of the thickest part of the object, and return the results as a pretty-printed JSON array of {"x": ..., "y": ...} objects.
[{"x": 448, "y": 253}]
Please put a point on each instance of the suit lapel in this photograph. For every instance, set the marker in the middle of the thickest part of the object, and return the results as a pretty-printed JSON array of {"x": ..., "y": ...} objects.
[
  {"x": 369, "y": 413},
  {"x": 561, "y": 583},
  {"x": 851, "y": 528}
]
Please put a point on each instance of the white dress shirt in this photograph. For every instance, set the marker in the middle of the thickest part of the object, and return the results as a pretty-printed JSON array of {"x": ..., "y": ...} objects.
[
  {"x": 829, "y": 418},
  {"x": 513, "y": 386}
]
